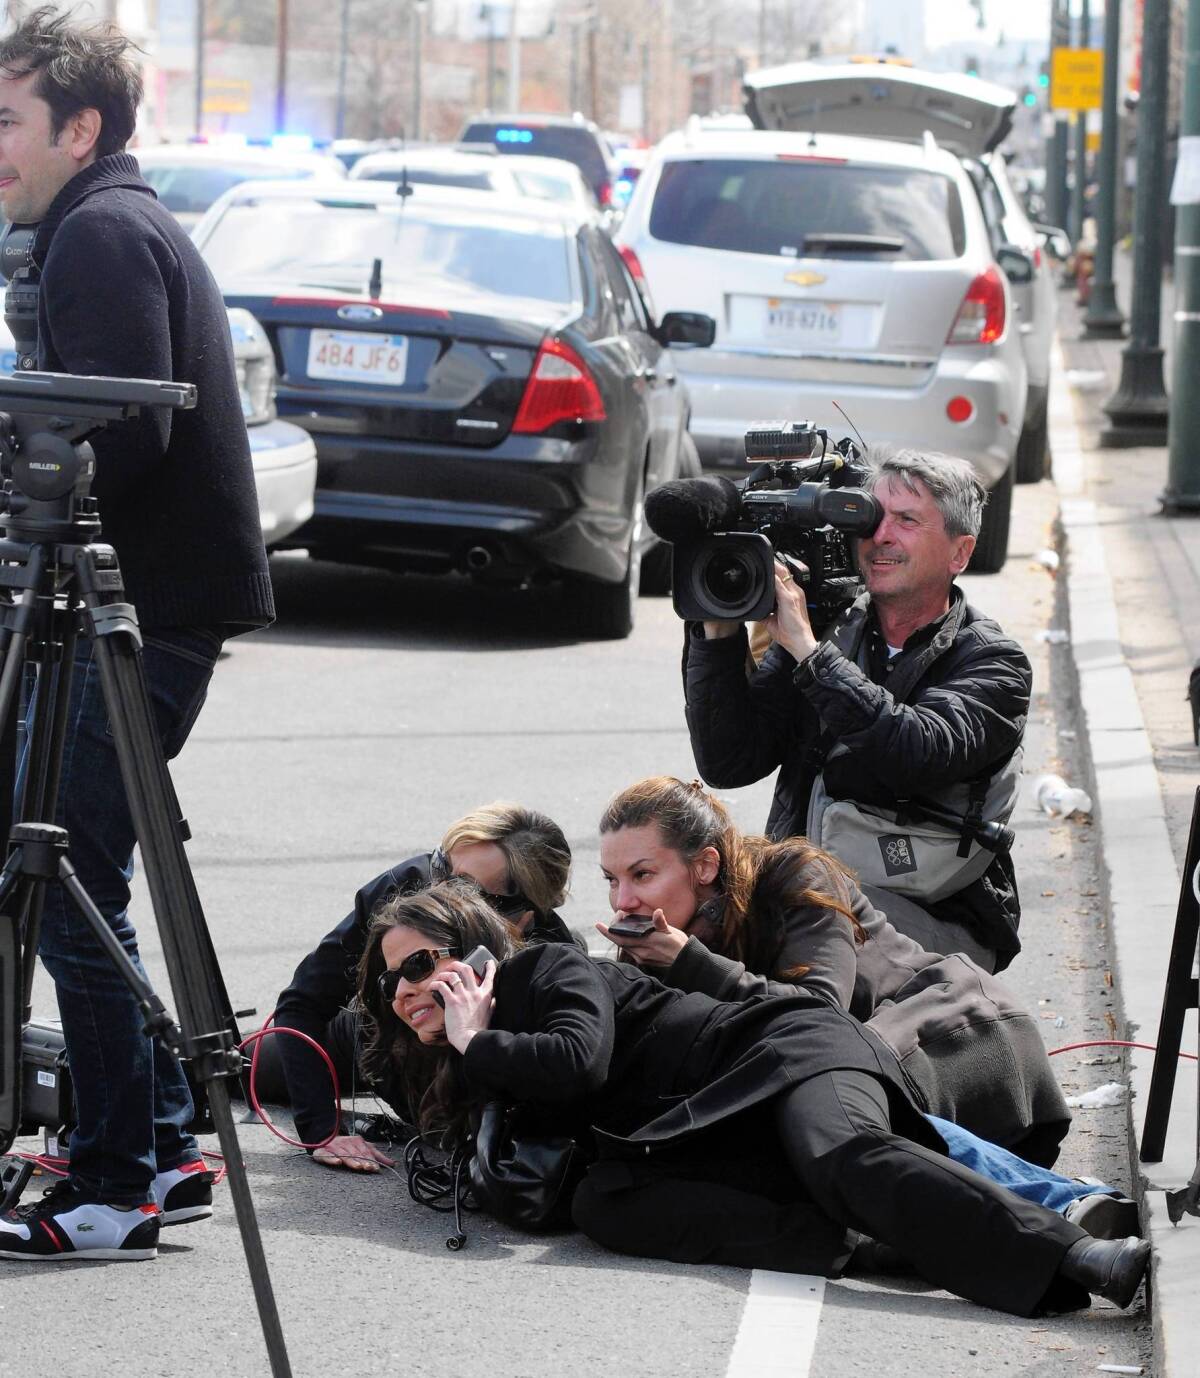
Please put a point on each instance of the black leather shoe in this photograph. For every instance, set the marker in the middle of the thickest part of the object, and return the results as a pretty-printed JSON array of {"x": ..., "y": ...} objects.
[
  {"x": 870, "y": 1256},
  {"x": 1108, "y": 1268}
]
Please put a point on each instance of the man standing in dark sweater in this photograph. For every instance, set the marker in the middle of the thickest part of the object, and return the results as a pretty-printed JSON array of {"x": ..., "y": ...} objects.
[{"x": 124, "y": 293}]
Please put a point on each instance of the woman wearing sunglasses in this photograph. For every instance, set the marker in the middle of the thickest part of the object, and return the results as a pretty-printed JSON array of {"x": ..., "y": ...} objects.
[
  {"x": 520, "y": 861},
  {"x": 752, "y": 1109}
]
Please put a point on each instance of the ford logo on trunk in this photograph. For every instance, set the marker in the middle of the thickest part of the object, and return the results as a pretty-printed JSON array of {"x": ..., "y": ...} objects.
[{"x": 360, "y": 313}]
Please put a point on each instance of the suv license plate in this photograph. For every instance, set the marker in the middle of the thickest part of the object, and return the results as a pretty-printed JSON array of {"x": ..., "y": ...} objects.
[
  {"x": 803, "y": 323},
  {"x": 357, "y": 356}
]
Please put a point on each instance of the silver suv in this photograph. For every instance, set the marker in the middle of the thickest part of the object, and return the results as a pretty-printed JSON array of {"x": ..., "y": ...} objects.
[{"x": 839, "y": 270}]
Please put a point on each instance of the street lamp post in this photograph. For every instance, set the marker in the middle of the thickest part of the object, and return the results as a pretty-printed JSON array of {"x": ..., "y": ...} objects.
[
  {"x": 1137, "y": 411},
  {"x": 1056, "y": 161},
  {"x": 1103, "y": 316},
  {"x": 1080, "y": 184},
  {"x": 418, "y": 13},
  {"x": 1182, "y": 493}
]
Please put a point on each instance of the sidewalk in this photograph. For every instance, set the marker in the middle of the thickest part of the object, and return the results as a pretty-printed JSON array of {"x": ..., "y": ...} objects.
[{"x": 1133, "y": 598}]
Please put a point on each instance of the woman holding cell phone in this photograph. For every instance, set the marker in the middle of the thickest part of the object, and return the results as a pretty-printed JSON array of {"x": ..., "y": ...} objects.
[{"x": 680, "y": 1080}]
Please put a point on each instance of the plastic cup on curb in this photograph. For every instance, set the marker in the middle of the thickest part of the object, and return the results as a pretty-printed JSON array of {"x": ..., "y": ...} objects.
[{"x": 1054, "y": 796}]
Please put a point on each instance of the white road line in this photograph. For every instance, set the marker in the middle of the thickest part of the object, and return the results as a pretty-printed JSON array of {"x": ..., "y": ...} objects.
[{"x": 778, "y": 1332}]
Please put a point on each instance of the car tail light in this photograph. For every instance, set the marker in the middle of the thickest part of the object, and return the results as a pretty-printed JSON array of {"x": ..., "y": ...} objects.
[
  {"x": 1037, "y": 256},
  {"x": 560, "y": 388},
  {"x": 606, "y": 193},
  {"x": 634, "y": 264},
  {"x": 980, "y": 318},
  {"x": 960, "y": 409}
]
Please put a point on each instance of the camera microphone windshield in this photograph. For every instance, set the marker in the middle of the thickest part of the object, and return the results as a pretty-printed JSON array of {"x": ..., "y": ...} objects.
[{"x": 691, "y": 507}]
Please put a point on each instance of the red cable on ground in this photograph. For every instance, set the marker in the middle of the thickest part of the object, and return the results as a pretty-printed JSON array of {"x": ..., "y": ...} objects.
[
  {"x": 1113, "y": 1043},
  {"x": 252, "y": 1091}
]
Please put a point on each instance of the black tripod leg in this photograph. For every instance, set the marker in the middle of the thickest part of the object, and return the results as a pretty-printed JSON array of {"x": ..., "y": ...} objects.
[{"x": 186, "y": 947}]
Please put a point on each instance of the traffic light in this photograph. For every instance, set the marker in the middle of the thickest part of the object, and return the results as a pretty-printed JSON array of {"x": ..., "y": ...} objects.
[
  {"x": 1028, "y": 96},
  {"x": 971, "y": 66}
]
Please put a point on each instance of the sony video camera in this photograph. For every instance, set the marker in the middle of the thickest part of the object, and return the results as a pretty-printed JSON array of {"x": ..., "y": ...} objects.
[{"x": 803, "y": 504}]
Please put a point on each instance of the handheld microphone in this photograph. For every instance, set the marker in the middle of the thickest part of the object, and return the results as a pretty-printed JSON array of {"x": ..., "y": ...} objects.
[{"x": 688, "y": 508}]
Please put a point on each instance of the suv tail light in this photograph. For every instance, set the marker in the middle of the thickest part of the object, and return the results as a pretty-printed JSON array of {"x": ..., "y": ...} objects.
[
  {"x": 560, "y": 388},
  {"x": 638, "y": 274},
  {"x": 606, "y": 194},
  {"x": 980, "y": 318}
]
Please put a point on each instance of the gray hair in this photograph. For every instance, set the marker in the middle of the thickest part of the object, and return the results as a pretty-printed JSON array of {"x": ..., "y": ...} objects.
[{"x": 951, "y": 482}]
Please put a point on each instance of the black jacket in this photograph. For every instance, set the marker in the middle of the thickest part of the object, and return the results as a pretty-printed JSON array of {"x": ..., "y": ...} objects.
[
  {"x": 124, "y": 292},
  {"x": 325, "y": 982},
  {"x": 970, "y": 1051},
  {"x": 952, "y": 704},
  {"x": 651, "y": 1068}
]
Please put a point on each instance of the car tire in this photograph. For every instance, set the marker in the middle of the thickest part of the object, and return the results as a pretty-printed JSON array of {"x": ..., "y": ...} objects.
[
  {"x": 1032, "y": 463},
  {"x": 605, "y": 612},
  {"x": 991, "y": 549}
]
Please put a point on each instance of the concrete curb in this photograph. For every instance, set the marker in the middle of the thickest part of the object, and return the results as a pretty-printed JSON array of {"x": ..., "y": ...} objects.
[{"x": 1143, "y": 881}]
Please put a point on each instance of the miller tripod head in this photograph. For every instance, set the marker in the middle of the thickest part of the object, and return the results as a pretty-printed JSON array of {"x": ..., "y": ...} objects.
[{"x": 46, "y": 462}]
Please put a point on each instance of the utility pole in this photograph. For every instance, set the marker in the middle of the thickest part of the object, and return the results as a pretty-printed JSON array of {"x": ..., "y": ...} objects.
[
  {"x": 281, "y": 42},
  {"x": 1056, "y": 150},
  {"x": 1080, "y": 186},
  {"x": 339, "y": 127},
  {"x": 514, "y": 60},
  {"x": 1103, "y": 315},
  {"x": 1137, "y": 411},
  {"x": 1182, "y": 493},
  {"x": 762, "y": 33},
  {"x": 593, "y": 94},
  {"x": 200, "y": 25},
  {"x": 417, "y": 14}
]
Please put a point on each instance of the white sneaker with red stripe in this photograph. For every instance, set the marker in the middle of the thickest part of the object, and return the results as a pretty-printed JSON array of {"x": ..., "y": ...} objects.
[
  {"x": 184, "y": 1193},
  {"x": 66, "y": 1226}
]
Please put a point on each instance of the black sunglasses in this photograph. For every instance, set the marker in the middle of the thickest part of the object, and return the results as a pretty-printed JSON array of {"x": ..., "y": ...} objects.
[
  {"x": 507, "y": 906},
  {"x": 415, "y": 967}
]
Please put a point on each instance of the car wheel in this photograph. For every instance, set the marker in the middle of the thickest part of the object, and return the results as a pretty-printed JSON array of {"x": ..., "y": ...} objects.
[
  {"x": 1033, "y": 450},
  {"x": 991, "y": 549},
  {"x": 606, "y": 611}
]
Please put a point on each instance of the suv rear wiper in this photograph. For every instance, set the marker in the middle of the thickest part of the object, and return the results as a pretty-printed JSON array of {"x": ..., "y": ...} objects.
[{"x": 861, "y": 243}]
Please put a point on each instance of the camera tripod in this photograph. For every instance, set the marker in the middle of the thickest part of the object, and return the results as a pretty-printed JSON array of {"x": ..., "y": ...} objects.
[{"x": 57, "y": 583}]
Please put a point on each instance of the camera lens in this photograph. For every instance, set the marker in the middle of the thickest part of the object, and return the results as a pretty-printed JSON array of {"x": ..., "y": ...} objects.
[{"x": 727, "y": 579}]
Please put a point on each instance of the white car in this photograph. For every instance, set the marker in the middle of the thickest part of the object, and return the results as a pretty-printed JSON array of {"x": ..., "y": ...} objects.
[
  {"x": 189, "y": 177},
  {"x": 971, "y": 118},
  {"x": 480, "y": 168},
  {"x": 840, "y": 270},
  {"x": 284, "y": 456}
]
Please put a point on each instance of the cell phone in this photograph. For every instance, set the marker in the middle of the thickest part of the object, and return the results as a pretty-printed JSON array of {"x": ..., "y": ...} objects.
[
  {"x": 632, "y": 926},
  {"x": 477, "y": 959}
]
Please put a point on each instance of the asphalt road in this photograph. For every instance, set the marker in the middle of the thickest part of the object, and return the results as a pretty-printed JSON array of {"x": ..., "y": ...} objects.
[{"x": 348, "y": 736}]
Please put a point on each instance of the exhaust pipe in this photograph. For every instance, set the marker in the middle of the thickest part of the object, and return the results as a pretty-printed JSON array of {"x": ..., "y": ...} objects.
[{"x": 478, "y": 558}]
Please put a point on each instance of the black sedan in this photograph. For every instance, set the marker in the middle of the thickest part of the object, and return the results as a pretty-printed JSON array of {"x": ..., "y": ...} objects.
[{"x": 485, "y": 388}]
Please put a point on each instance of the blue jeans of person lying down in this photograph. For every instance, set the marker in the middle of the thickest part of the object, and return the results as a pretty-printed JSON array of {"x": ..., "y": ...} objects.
[{"x": 1037, "y": 1184}]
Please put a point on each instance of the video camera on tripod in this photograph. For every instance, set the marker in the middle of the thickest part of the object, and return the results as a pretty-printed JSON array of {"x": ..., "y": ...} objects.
[{"x": 803, "y": 504}]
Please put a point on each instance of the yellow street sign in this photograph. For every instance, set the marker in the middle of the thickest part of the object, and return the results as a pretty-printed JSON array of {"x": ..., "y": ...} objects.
[
  {"x": 226, "y": 96},
  {"x": 1076, "y": 78}
]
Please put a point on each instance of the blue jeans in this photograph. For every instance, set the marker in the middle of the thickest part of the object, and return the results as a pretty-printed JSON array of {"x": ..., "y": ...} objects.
[
  {"x": 131, "y": 1099},
  {"x": 1037, "y": 1184}
]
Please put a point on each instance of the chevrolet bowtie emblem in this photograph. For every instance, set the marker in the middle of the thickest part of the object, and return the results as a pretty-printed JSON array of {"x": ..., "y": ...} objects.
[{"x": 805, "y": 279}]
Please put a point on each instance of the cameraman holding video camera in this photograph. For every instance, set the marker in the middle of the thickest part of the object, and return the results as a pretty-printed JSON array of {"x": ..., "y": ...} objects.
[
  {"x": 911, "y": 694},
  {"x": 123, "y": 292}
]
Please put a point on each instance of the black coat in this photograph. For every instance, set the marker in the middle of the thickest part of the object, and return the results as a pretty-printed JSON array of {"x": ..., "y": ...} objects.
[
  {"x": 654, "y": 1069},
  {"x": 970, "y": 1051},
  {"x": 325, "y": 982},
  {"x": 125, "y": 293},
  {"x": 952, "y": 704}
]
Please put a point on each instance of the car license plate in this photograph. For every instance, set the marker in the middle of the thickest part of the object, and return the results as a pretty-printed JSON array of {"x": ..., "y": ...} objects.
[
  {"x": 357, "y": 356},
  {"x": 803, "y": 322}
]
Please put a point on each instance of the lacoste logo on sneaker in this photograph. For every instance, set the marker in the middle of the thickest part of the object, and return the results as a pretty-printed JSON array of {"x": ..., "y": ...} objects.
[{"x": 83, "y": 1227}]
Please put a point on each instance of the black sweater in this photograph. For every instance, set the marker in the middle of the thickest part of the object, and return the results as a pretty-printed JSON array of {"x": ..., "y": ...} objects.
[{"x": 125, "y": 293}]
